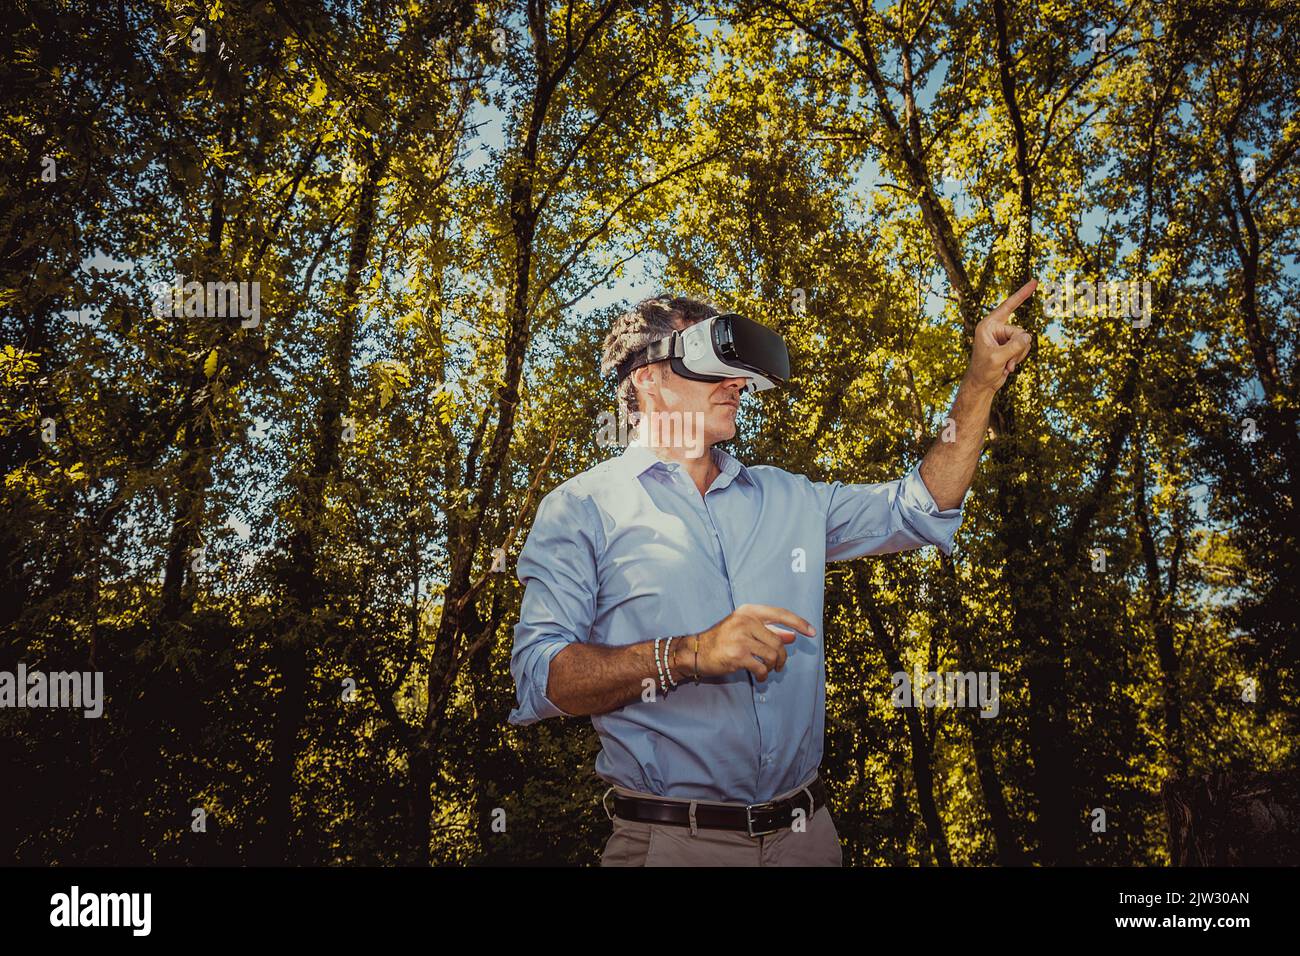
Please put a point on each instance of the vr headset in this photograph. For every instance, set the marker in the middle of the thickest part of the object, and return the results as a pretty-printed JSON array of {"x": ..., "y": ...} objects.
[{"x": 725, "y": 346}]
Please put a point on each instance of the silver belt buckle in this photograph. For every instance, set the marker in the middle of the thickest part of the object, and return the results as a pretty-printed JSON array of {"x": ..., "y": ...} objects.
[{"x": 749, "y": 820}]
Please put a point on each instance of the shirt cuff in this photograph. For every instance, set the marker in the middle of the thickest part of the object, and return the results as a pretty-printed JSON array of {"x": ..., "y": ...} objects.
[
  {"x": 937, "y": 525},
  {"x": 537, "y": 706}
]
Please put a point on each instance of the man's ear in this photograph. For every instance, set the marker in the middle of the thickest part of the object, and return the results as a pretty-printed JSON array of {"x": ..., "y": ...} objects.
[{"x": 645, "y": 380}]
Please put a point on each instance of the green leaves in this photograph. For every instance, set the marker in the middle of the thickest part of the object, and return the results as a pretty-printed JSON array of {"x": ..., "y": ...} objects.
[
  {"x": 317, "y": 95},
  {"x": 389, "y": 377}
]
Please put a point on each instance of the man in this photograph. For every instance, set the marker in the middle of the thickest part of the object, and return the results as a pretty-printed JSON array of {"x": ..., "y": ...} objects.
[{"x": 675, "y": 597}]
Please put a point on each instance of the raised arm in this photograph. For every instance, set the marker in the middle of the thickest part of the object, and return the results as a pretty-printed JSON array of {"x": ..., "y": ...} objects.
[{"x": 949, "y": 466}]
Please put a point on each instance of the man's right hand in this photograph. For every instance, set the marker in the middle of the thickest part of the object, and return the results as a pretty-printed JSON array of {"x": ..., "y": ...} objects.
[{"x": 743, "y": 640}]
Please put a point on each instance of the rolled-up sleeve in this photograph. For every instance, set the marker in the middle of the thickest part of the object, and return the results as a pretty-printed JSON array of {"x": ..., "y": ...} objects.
[
  {"x": 885, "y": 517},
  {"x": 557, "y": 566}
]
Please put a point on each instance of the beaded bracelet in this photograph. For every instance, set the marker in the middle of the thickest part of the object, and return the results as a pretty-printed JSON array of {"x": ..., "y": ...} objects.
[
  {"x": 668, "y": 657},
  {"x": 660, "y": 666}
]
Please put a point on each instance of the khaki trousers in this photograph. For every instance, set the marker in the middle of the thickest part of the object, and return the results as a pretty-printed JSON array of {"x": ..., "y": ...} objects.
[{"x": 665, "y": 844}]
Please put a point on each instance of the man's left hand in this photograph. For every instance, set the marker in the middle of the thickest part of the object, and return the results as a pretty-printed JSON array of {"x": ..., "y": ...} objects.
[{"x": 1000, "y": 346}]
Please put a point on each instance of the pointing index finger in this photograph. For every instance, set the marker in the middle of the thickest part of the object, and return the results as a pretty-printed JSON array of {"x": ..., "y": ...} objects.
[
  {"x": 1009, "y": 306},
  {"x": 779, "y": 615}
]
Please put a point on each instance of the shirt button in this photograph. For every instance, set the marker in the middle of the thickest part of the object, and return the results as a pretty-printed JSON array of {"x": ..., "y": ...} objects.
[{"x": 762, "y": 698}]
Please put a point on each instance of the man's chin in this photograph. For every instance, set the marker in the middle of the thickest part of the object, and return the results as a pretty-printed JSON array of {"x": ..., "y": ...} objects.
[{"x": 725, "y": 431}]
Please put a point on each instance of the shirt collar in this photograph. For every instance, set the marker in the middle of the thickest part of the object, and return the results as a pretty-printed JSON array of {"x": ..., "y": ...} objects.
[
  {"x": 731, "y": 465},
  {"x": 637, "y": 459}
]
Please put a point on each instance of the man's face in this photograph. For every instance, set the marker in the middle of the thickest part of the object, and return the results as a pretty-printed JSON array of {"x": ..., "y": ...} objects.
[
  {"x": 685, "y": 412},
  {"x": 712, "y": 405},
  {"x": 696, "y": 414}
]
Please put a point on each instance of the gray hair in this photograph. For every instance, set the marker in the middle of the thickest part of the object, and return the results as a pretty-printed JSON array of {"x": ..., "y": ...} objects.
[{"x": 648, "y": 321}]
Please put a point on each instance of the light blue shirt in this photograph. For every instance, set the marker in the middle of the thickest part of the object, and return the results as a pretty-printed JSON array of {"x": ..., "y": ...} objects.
[{"x": 629, "y": 551}]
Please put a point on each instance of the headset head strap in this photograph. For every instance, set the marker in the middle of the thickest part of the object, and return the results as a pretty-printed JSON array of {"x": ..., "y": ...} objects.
[{"x": 656, "y": 351}]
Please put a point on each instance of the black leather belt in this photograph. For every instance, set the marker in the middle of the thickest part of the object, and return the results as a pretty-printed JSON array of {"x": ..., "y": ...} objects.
[{"x": 756, "y": 819}]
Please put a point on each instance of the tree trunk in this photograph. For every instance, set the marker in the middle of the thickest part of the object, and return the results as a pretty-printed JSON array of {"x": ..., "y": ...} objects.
[
  {"x": 1007, "y": 845},
  {"x": 1234, "y": 819},
  {"x": 306, "y": 593},
  {"x": 919, "y": 743}
]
